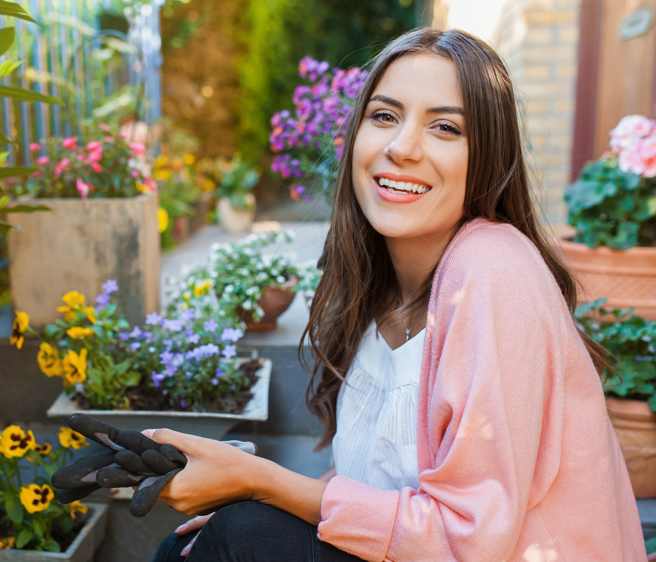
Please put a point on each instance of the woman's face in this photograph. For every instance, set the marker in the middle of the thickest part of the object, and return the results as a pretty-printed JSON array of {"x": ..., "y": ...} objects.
[{"x": 410, "y": 153}]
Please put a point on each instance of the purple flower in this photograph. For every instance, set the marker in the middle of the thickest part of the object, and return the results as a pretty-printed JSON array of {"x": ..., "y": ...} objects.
[
  {"x": 157, "y": 379},
  {"x": 194, "y": 338},
  {"x": 231, "y": 334},
  {"x": 202, "y": 352},
  {"x": 136, "y": 333},
  {"x": 219, "y": 373},
  {"x": 170, "y": 370},
  {"x": 124, "y": 336},
  {"x": 173, "y": 325},
  {"x": 229, "y": 351},
  {"x": 188, "y": 315},
  {"x": 102, "y": 300},
  {"x": 153, "y": 319},
  {"x": 183, "y": 404},
  {"x": 210, "y": 325},
  {"x": 188, "y": 332},
  {"x": 167, "y": 343},
  {"x": 214, "y": 381},
  {"x": 110, "y": 286},
  {"x": 135, "y": 345},
  {"x": 166, "y": 357}
]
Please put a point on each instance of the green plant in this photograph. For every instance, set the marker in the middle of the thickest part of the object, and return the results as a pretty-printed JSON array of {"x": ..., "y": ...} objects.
[
  {"x": 613, "y": 202},
  {"x": 629, "y": 343},
  {"x": 309, "y": 277},
  {"x": 30, "y": 515},
  {"x": 234, "y": 178}
]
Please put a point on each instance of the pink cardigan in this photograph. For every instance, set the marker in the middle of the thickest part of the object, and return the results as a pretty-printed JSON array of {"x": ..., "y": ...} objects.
[{"x": 518, "y": 460}]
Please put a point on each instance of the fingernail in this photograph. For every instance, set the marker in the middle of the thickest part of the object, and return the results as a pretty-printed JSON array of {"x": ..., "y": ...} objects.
[
  {"x": 148, "y": 432},
  {"x": 186, "y": 550},
  {"x": 181, "y": 528}
]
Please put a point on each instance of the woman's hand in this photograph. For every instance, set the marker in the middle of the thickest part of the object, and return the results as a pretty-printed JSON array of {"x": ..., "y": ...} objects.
[
  {"x": 217, "y": 474},
  {"x": 192, "y": 525}
]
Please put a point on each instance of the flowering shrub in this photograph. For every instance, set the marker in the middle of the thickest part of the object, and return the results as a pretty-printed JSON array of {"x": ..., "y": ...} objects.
[
  {"x": 237, "y": 274},
  {"x": 34, "y": 519},
  {"x": 629, "y": 342},
  {"x": 613, "y": 202},
  {"x": 309, "y": 277},
  {"x": 107, "y": 166},
  {"x": 309, "y": 144},
  {"x": 183, "y": 361}
]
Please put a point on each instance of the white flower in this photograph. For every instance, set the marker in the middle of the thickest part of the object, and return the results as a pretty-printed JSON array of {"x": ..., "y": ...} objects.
[
  {"x": 247, "y": 305},
  {"x": 251, "y": 290},
  {"x": 229, "y": 289},
  {"x": 280, "y": 279}
]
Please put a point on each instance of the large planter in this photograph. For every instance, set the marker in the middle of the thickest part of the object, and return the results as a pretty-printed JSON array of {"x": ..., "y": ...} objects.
[
  {"x": 236, "y": 221},
  {"x": 635, "y": 426},
  {"x": 203, "y": 424},
  {"x": 81, "y": 549},
  {"x": 77, "y": 246},
  {"x": 274, "y": 302},
  {"x": 627, "y": 279}
]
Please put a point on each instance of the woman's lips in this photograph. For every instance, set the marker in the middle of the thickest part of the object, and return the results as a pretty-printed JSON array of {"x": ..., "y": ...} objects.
[{"x": 396, "y": 197}]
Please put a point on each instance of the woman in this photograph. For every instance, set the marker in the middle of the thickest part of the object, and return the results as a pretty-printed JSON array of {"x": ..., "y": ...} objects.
[{"x": 472, "y": 425}]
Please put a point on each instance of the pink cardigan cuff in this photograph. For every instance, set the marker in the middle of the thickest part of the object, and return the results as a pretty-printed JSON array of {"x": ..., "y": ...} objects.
[{"x": 357, "y": 518}]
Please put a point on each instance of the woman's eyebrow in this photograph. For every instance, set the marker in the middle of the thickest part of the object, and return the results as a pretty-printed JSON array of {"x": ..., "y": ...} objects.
[{"x": 452, "y": 109}]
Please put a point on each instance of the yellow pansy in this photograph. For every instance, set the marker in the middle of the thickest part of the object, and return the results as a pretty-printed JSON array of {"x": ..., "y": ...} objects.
[
  {"x": 80, "y": 333},
  {"x": 15, "y": 442},
  {"x": 69, "y": 438},
  {"x": 75, "y": 367},
  {"x": 43, "y": 450},
  {"x": 8, "y": 543},
  {"x": 49, "y": 361},
  {"x": 162, "y": 175},
  {"x": 21, "y": 323},
  {"x": 162, "y": 219},
  {"x": 208, "y": 185},
  {"x": 161, "y": 161},
  {"x": 189, "y": 159},
  {"x": 36, "y": 498},
  {"x": 77, "y": 507},
  {"x": 202, "y": 288},
  {"x": 75, "y": 303}
]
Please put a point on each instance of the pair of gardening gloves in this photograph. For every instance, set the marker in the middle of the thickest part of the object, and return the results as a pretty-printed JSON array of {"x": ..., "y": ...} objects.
[{"x": 132, "y": 459}]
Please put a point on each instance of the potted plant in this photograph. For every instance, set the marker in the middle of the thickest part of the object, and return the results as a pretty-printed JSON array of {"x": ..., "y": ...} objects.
[
  {"x": 255, "y": 287},
  {"x": 309, "y": 144},
  {"x": 31, "y": 519},
  {"x": 309, "y": 276},
  {"x": 180, "y": 370},
  {"x": 629, "y": 341},
  {"x": 234, "y": 180},
  {"x": 103, "y": 222},
  {"x": 613, "y": 208}
]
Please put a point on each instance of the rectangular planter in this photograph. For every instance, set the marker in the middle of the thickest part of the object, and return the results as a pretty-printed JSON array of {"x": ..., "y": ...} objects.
[
  {"x": 77, "y": 246},
  {"x": 209, "y": 425},
  {"x": 81, "y": 549}
]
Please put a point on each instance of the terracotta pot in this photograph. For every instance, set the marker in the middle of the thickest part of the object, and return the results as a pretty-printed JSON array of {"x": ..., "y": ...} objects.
[
  {"x": 274, "y": 302},
  {"x": 236, "y": 221},
  {"x": 635, "y": 426},
  {"x": 627, "y": 279}
]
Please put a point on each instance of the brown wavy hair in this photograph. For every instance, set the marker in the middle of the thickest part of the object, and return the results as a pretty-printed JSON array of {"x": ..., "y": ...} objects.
[{"x": 359, "y": 283}]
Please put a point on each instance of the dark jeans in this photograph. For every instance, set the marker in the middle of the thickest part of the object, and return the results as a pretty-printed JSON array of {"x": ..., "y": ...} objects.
[{"x": 253, "y": 532}]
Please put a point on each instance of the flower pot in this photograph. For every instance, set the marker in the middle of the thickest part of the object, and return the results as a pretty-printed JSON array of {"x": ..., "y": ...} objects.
[
  {"x": 236, "y": 221},
  {"x": 635, "y": 426},
  {"x": 81, "y": 549},
  {"x": 204, "y": 424},
  {"x": 77, "y": 246},
  {"x": 274, "y": 302},
  {"x": 627, "y": 279}
]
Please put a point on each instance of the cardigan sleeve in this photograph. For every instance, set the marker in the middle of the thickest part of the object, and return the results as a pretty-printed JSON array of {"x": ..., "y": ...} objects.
[{"x": 490, "y": 414}]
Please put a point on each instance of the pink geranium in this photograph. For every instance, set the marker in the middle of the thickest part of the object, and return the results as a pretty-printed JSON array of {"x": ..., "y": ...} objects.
[
  {"x": 137, "y": 147},
  {"x": 59, "y": 168},
  {"x": 151, "y": 183},
  {"x": 134, "y": 173},
  {"x": 42, "y": 160},
  {"x": 33, "y": 146},
  {"x": 94, "y": 145},
  {"x": 83, "y": 188},
  {"x": 648, "y": 155},
  {"x": 70, "y": 143},
  {"x": 96, "y": 167},
  {"x": 96, "y": 155}
]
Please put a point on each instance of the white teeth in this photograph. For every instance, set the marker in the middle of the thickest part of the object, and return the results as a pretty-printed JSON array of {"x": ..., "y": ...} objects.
[
  {"x": 391, "y": 183},
  {"x": 401, "y": 186}
]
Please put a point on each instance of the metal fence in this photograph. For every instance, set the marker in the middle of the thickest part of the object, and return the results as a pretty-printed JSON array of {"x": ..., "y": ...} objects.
[{"x": 93, "y": 69}]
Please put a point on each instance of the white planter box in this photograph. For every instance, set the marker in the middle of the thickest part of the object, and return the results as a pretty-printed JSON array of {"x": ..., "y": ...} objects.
[
  {"x": 210, "y": 425},
  {"x": 81, "y": 549}
]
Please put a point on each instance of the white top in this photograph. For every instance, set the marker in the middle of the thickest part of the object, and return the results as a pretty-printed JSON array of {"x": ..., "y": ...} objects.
[{"x": 376, "y": 439}]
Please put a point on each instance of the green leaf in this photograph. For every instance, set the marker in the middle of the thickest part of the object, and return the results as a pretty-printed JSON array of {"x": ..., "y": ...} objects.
[
  {"x": 16, "y": 171},
  {"x": 4, "y": 139},
  {"x": 27, "y": 95},
  {"x": 630, "y": 181},
  {"x": 132, "y": 378},
  {"x": 626, "y": 237},
  {"x": 6, "y": 39},
  {"x": 645, "y": 208},
  {"x": 14, "y": 509},
  {"x": 26, "y": 209},
  {"x": 7, "y": 67},
  {"x": 23, "y": 538},
  {"x": 51, "y": 545},
  {"x": 15, "y": 11},
  {"x": 50, "y": 469},
  {"x": 37, "y": 524}
]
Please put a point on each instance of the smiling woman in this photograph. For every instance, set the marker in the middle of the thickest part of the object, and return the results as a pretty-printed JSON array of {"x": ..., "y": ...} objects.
[{"x": 464, "y": 407}]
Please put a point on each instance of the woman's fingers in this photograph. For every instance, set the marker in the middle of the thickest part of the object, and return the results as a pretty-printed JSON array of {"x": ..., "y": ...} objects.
[
  {"x": 187, "y": 548},
  {"x": 193, "y": 524},
  {"x": 180, "y": 441}
]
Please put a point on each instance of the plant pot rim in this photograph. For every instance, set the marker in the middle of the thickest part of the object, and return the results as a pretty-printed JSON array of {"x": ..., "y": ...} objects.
[
  {"x": 629, "y": 408},
  {"x": 256, "y": 410},
  {"x": 580, "y": 247},
  {"x": 98, "y": 511}
]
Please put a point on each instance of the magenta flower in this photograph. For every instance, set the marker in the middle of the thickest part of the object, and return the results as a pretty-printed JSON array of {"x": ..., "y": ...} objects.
[
  {"x": 33, "y": 146},
  {"x": 96, "y": 167},
  {"x": 96, "y": 154},
  {"x": 82, "y": 188},
  {"x": 94, "y": 145},
  {"x": 134, "y": 173},
  {"x": 70, "y": 143},
  {"x": 42, "y": 160},
  {"x": 59, "y": 168},
  {"x": 137, "y": 147}
]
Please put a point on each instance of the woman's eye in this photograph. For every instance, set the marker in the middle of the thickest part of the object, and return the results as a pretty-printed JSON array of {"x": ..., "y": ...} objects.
[
  {"x": 448, "y": 128},
  {"x": 383, "y": 117}
]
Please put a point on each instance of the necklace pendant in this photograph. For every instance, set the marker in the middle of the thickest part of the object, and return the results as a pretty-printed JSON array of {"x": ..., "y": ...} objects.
[{"x": 407, "y": 334}]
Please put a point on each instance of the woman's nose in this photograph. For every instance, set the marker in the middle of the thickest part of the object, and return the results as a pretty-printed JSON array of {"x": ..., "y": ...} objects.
[{"x": 405, "y": 146}]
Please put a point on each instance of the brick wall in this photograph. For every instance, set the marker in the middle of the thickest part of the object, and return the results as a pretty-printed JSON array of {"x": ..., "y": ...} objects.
[{"x": 539, "y": 40}]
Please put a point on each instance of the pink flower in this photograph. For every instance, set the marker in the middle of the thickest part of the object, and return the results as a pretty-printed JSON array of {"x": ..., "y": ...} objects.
[
  {"x": 135, "y": 173},
  {"x": 151, "y": 183},
  {"x": 82, "y": 188},
  {"x": 96, "y": 155},
  {"x": 123, "y": 135},
  {"x": 108, "y": 139},
  {"x": 70, "y": 143},
  {"x": 137, "y": 147},
  {"x": 633, "y": 126},
  {"x": 80, "y": 157},
  {"x": 94, "y": 145},
  {"x": 631, "y": 162},
  {"x": 37, "y": 174},
  {"x": 62, "y": 166},
  {"x": 42, "y": 160},
  {"x": 648, "y": 155},
  {"x": 34, "y": 146},
  {"x": 105, "y": 127},
  {"x": 96, "y": 167}
]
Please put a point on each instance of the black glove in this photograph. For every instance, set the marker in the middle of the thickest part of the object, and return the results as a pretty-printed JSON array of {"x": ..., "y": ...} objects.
[{"x": 133, "y": 460}]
